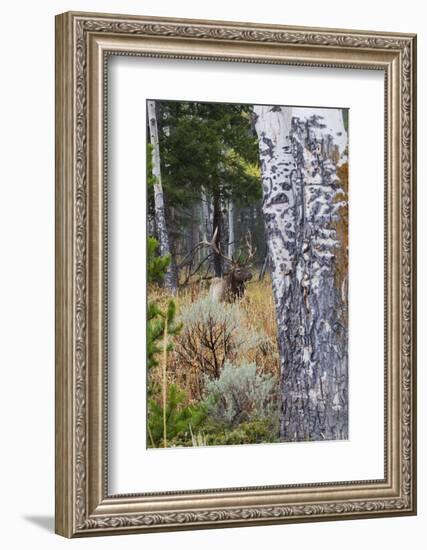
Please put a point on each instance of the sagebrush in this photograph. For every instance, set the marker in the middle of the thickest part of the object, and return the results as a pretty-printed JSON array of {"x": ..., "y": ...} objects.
[{"x": 240, "y": 394}]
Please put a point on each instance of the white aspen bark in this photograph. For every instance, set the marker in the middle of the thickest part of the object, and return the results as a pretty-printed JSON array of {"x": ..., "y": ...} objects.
[
  {"x": 151, "y": 226},
  {"x": 299, "y": 152},
  {"x": 217, "y": 227},
  {"x": 224, "y": 232},
  {"x": 279, "y": 196},
  {"x": 231, "y": 237},
  {"x": 159, "y": 207},
  {"x": 195, "y": 232},
  {"x": 207, "y": 215}
]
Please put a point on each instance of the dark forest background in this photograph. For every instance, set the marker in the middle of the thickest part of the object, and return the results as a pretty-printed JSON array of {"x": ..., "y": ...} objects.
[{"x": 211, "y": 178}]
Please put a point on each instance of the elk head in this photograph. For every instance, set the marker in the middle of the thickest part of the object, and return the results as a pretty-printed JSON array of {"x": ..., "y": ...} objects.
[{"x": 232, "y": 285}]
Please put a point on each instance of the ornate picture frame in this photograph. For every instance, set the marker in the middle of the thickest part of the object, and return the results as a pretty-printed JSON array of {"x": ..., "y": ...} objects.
[{"x": 84, "y": 43}]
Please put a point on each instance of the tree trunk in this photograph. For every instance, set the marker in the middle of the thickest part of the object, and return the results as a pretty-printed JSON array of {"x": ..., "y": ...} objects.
[
  {"x": 264, "y": 267},
  {"x": 174, "y": 244},
  {"x": 302, "y": 197},
  {"x": 206, "y": 211},
  {"x": 231, "y": 237},
  {"x": 206, "y": 230},
  {"x": 196, "y": 232},
  {"x": 217, "y": 262},
  {"x": 151, "y": 225},
  {"x": 159, "y": 207}
]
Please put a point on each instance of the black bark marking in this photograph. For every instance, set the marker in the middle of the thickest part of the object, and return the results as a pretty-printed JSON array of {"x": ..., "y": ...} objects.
[{"x": 312, "y": 340}]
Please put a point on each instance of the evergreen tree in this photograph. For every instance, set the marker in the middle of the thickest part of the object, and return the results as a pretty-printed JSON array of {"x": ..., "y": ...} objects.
[
  {"x": 208, "y": 154},
  {"x": 156, "y": 317}
]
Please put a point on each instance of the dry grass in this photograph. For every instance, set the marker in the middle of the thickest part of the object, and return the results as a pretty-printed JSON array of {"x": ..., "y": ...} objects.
[{"x": 257, "y": 307}]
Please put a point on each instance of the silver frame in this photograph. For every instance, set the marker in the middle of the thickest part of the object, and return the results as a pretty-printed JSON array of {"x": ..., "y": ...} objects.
[{"x": 83, "y": 43}]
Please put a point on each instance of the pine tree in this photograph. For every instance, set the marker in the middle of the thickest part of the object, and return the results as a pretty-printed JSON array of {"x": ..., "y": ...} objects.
[
  {"x": 156, "y": 268},
  {"x": 209, "y": 159}
]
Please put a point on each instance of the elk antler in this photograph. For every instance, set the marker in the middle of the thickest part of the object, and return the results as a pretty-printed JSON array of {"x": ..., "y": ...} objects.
[
  {"x": 250, "y": 250},
  {"x": 215, "y": 247}
]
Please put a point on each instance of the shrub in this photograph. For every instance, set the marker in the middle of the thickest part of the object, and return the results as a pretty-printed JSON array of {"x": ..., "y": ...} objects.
[
  {"x": 239, "y": 395},
  {"x": 213, "y": 333}
]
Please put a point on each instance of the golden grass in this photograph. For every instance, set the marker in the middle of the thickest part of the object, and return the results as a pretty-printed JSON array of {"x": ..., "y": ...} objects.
[{"x": 257, "y": 307}]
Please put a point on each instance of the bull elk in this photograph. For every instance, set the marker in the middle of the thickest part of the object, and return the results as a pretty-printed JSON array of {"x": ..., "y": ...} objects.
[{"x": 232, "y": 285}]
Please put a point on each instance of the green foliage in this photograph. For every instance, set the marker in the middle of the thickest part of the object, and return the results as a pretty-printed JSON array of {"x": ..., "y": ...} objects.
[
  {"x": 156, "y": 265},
  {"x": 156, "y": 269},
  {"x": 180, "y": 419},
  {"x": 254, "y": 431},
  {"x": 156, "y": 328},
  {"x": 207, "y": 145},
  {"x": 239, "y": 395}
]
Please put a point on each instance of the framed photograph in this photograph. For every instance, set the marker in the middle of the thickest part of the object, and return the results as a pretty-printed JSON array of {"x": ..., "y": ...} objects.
[{"x": 235, "y": 274}]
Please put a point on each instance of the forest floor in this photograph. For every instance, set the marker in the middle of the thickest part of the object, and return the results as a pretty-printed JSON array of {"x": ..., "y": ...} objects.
[
  {"x": 257, "y": 307},
  {"x": 242, "y": 337}
]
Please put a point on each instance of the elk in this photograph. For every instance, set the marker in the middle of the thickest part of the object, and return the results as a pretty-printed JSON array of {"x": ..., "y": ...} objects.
[{"x": 232, "y": 286}]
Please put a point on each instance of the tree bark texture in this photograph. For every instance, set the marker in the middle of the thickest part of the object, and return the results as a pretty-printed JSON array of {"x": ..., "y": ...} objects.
[
  {"x": 206, "y": 215},
  {"x": 231, "y": 238},
  {"x": 217, "y": 226},
  {"x": 159, "y": 207},
  {"x": 151, "y": 225},
  {"x": 300, "y": 152}
]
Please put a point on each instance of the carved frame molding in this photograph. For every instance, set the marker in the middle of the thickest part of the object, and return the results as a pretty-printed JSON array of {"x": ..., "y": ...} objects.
[{"x": 83, "y": 43}]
